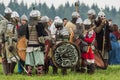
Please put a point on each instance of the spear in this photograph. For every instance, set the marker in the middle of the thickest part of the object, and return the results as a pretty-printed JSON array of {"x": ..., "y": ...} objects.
[
  {"x": 77, "y": 6},
  {"x": 71, "y": 30}
]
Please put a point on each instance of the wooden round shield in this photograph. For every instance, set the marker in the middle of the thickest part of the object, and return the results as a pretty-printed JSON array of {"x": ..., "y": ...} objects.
[
  {"x": 21, "y": 47},
  {"x": 65, "y": 55}
]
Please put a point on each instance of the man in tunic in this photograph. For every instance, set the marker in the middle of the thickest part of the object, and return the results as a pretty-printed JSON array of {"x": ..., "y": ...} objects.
[
  {"x": 86, "y": 48},
  {"x": 3, "y": 25},
  {"x": 35, "y": 44},
  {"x": 62, "y": 34},
  {"x": 103, "y": 36},
  {"x": 71, "y": 25},
  {"x": 10, "y": 44},
  {"x": 45, "y": 32}
]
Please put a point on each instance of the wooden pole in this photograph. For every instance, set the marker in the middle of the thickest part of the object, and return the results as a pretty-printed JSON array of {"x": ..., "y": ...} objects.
[
  {"x": 77, "y": 6},
  {"x": 103, "y": 45}
]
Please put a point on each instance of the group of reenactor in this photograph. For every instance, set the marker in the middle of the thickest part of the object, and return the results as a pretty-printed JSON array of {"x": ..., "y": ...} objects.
[{"x": 42, "y": 34}]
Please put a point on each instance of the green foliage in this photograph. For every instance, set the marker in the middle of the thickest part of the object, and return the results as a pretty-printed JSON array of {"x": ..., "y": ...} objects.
[
  {"x": 62, "y": 11},
  {"x": 2, "y": 7},
  {"x": 52, "y": 12}
]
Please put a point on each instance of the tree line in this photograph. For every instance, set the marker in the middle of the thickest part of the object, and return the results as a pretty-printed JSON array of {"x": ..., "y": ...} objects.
[{"x": 62, "y": 11}]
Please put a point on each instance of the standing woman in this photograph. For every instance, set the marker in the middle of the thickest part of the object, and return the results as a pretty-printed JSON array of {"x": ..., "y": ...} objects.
[{"x": 114, "y": 54}]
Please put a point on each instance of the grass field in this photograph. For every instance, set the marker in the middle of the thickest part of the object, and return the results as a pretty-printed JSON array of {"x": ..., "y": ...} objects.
[{"x": 112, "y": 73}]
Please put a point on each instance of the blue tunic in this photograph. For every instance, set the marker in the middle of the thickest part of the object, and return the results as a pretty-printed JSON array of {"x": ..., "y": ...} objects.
[{"x": 114, "y": 54}]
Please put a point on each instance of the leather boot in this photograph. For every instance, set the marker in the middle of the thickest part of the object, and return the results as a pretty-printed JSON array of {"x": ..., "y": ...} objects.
[
  {"x": 73, "y": 68},
  {"x": 88, "y": 69},
  {"x": 46, "y": 67},
  {"x": 9, "y": 68},
  {"x": 39, "y": 70},
  {"x": 82, "y": 70},
  {"x": 55, "y": 70},
  {"x": 29, "y": 70},
  {"x": 106, "y": 63},
  {"x": 5, "y": 66},
  {"x": 13, "y": 64},
  {"x": 64, "y": 71},
  {"x": 91, "y": 68},
  {"x": 83, "y": 66},
  {"x": 77, "y": 69}
]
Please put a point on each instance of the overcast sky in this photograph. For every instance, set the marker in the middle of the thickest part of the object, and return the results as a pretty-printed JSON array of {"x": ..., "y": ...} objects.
[{"x": 56, "y": 3}]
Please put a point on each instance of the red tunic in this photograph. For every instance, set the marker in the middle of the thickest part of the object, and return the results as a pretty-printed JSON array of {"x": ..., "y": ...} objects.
[{"x": 89, "y": 38}]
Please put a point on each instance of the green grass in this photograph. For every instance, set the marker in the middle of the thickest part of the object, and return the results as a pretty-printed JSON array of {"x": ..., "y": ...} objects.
[{"x": 112, "y": 73}]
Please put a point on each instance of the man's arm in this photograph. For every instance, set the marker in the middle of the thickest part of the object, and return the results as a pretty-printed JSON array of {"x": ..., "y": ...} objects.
[{"x": 99, "y": 28}]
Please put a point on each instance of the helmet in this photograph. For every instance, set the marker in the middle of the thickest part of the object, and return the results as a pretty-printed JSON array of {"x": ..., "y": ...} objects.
[
  {"x": 44, "y": 19},
  {"x": 24, "y": 17},
  {"x": 58, "y": 23},
  {"x": 92, "y": 12},
  {"x": 14, "y": 14},
  {"x": 101, "y": 14},
  {"x": 87, "y": 24},
  {"x": 35, "y": 13},
  {"x": 56, "y": 17},
  {"x": 75, "y": 14},
  {"x": 7, "y": 10}
]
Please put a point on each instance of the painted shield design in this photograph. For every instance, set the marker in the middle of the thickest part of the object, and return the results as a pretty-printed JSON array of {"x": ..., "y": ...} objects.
[{"x": 65, "y": 55}]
